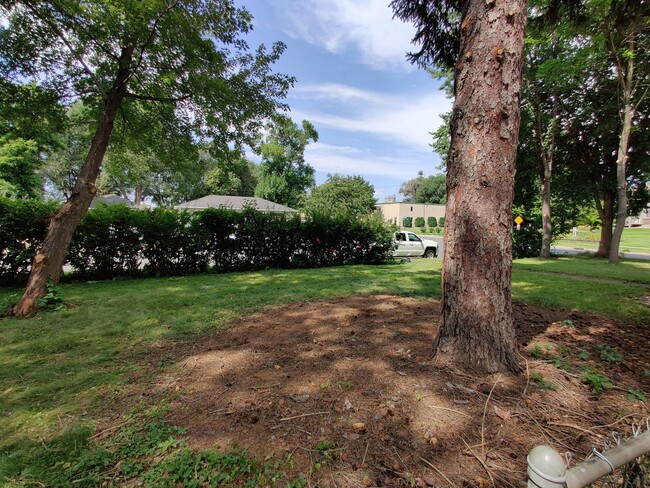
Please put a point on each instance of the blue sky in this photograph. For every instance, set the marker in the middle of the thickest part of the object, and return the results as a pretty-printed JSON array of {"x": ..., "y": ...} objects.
[{"x": 372, "y": 109}]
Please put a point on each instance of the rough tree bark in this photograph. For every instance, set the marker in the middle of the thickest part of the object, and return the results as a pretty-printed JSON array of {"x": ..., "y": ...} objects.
[
  {"x": 476, "y": 326},
  {"x": 606, "y": 214},
  {"x": 48, "y": 262}
]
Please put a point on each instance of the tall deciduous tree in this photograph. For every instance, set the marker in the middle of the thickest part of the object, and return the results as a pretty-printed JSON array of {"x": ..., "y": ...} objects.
[
  {"x": 409, "y": 188},
  {"x": 625, "y": 31},
  {"x": 604, "y": 131},
  {"x": 425, "y": 189},
  {"x": 232, "y": 174},
  {"x": 543, "y": 101},
  {"x": 432, "y": 190},
  {"x": 349, "y": 196},
  {"x": 30, "y": 119},
  {"x": 485, "y": 39},
  {"x": 284, "y": 175},
  {"x": 149, "y": 159},
  {"x": 61, "y": 168},
  {"x": 188, "y": 53}
]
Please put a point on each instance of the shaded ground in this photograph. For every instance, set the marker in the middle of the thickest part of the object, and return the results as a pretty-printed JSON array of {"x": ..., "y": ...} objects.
[{"x": 348, "y": 389}]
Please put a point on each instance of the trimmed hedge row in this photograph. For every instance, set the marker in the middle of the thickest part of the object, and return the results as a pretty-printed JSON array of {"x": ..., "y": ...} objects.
[
  {"x": 114, "y": 241},
  {"x": 22, "y": 229}
]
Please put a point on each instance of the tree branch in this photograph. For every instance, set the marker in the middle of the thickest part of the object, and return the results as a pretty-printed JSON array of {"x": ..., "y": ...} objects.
[
  {"x": 158, "y": 99},
  {"x": 86, "y": 30},
  {"x": 152, "y": 33},
  {"x": 61, "y": 35}
]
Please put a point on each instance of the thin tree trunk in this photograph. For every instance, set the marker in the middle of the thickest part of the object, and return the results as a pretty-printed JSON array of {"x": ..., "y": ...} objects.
[
  {"x": 50, "y": 258},
  {"x": 48, "y": 262},
  {"x": 621, "y": 159},
  {"x": 606, "y": 213},
  {"x": 137, "y": 200},
  {"x": 546, "y": 155},
  {"x": 547, "y": 228},
  {"x": 476, "y": 326}
]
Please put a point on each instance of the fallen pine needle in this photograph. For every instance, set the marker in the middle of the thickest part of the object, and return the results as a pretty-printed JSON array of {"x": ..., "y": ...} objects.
[
  {"x": 437, "y": 471},
  {"x": 487, "y": 470},
  {"x": 619, "y": 420},
  {"x": 527, "y": 376},
  {"x": 364, "y": 454},
  {"x": 576, "y": 427},
  {"x": 484, "y": 411},
  {"x": 264, "y": 387},
  {"x": 303, "y": 415},
  {"x": 451, "y": 410},
  {"x": 101, "y": 432}
]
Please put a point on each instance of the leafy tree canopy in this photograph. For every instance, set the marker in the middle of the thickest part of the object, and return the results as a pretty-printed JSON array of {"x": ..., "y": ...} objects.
[
  {"x": 30, "y": 119},
  {"x": 425, "y": 189},
  {"x": 350, "y": 196},
  {"x": 186, "y": 52},
  {"x": 284, "y": 175},
  {"x": 432, "y": 190},
  {"x": 232, "y": 175}
]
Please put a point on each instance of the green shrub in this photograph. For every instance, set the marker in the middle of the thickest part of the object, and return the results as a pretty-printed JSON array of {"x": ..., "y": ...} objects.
[
  {"x": 407, "y": 222},
  {"x": 423, "y": 230},
  {"x": 419, "y": 221},
  {"x": 526, "y": 243},
  {"x": 23, "y": 224},
  {"x": 432, "y": 222},
  {"x": 441, "y": 222}
]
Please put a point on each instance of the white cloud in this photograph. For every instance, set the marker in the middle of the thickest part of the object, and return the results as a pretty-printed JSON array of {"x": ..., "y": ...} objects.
[
  {"x": 345, "y": 160},
  {"x": 337, "y": 92},
  {"x": 364, "y": 26},
  {"x": 400, "y": 118}
]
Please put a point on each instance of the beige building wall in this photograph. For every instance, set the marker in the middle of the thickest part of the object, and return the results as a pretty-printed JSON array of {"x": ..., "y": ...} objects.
[{"x": 395, "y": 212}]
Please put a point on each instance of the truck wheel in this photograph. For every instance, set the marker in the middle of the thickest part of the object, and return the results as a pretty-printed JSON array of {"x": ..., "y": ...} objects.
[{"x": 430, "y": 253}]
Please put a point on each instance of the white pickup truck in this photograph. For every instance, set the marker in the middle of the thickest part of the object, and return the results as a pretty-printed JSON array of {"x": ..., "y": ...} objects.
[{"x": 409, "y": 244}]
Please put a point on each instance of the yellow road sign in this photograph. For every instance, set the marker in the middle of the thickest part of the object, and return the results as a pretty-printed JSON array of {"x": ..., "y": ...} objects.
[{"x": 519, "y": 220}]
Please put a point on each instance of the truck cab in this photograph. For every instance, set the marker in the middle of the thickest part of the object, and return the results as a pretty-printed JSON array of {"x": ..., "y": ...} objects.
[{"x": 409, "y": 244}]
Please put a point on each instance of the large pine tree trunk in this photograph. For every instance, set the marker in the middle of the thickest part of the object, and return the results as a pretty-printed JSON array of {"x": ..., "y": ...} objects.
[
  {"x": 476, "y": 326},
  {"x": 49, "y": 260}
]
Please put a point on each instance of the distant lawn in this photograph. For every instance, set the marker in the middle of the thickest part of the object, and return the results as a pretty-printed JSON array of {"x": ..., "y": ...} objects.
[
  {"x": 634, "y": 239},
  {"x": 634, "y": 270},
  {"x": 63, "y": 370}
]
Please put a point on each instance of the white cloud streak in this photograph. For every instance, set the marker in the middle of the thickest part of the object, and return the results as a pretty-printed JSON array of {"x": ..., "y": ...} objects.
[
  {"x": 345, "y": 160},
  {"x": 366, "y": 27},
  {"x": 404, "y": 119}
]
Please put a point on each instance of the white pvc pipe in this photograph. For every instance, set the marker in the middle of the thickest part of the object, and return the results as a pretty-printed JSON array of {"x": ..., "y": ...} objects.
[
  {"x": 546, "y": 468},
  {"x": 597, "y": 467}
]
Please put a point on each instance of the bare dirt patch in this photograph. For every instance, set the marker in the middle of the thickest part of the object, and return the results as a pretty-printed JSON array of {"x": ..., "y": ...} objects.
[{"x": 347, "y": 387}]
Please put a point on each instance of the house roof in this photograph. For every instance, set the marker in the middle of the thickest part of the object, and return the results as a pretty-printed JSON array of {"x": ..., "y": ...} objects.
[{"x": 235, "y": 203}]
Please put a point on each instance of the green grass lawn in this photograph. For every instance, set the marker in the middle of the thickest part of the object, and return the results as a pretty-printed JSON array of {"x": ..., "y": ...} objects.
[
  {"x": 634, "y": 240},
  {"x": 627, "y": 270},
  {"x": 62, "y": 370}
]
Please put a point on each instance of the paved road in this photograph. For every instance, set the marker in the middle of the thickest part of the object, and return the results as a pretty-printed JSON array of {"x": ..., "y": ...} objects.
[{"x": 555, "y": 249}]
